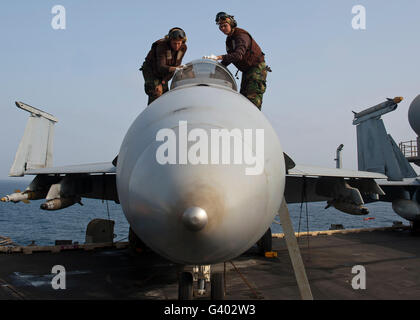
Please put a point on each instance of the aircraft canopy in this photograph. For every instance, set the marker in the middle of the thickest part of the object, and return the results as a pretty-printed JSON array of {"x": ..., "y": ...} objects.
[{"x": 204, "y": 72}]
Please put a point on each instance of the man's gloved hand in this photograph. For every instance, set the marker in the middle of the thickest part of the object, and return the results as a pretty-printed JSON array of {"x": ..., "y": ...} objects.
[
  {"x": 212, "y": 57},
  {"x": 158, "y": 90},
  {"x": 173, "y": 69}
]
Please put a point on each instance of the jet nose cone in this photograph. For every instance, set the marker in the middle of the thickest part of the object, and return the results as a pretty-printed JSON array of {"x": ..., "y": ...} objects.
[{"x": 195, "y": 218}]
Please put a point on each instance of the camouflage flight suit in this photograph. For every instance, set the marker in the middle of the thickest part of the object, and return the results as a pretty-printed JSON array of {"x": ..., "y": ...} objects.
[
  {"x": 246, "y": 55},
  {"x": 151, "y": 82},
  {"x": 156, "y": 66},
  {"x": 253, "y": 84}
]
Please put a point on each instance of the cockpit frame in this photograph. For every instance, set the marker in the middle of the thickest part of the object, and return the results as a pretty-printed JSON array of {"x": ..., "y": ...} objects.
[{"x": 204, "y": 72}]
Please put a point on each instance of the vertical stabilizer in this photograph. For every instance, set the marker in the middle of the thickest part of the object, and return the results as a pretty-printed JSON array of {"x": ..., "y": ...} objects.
[
  {"x": 376, "y": 150},
  {"x": 36, "y": 147}
]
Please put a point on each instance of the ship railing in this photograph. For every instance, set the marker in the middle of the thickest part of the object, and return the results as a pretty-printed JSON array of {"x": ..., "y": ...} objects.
[{"x": 409, "y": 148}]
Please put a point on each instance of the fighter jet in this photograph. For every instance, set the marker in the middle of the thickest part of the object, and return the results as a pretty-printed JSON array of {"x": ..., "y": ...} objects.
[
  {"x": 378, "y": 152},
  {"x": 200, "y": 174}
]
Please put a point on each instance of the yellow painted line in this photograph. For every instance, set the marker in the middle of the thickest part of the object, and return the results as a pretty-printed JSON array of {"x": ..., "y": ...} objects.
[{"x": 343, "y": 231}]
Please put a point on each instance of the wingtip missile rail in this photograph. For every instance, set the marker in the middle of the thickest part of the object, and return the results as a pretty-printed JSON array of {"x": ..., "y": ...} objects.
[
  {"x": 378, "y": 110},
  {"x": 36, "y": 112}
]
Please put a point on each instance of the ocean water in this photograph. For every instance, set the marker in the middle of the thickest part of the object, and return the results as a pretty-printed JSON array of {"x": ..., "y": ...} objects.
[{"x": 24, "y": 223}]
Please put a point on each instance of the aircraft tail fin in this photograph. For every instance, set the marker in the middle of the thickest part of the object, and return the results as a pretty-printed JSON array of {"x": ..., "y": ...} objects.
[
  {"x": 376, "y": 149},
  {"x": 36, "y": 147}
]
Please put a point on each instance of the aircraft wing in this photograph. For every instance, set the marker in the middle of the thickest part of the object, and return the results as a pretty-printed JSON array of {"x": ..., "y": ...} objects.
[
  {"x": 66, "y": 185},
  {"x": 91, "y": 168},
  {"x": 344, "y": 189},
  {"x": 405, "y": 189},
  {"x": 305, "y": 170},
  {"x": 406, "y": 182}
]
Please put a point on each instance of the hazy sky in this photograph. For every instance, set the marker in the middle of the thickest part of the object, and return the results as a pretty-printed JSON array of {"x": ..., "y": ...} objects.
[{"x": 87, "y": 75}]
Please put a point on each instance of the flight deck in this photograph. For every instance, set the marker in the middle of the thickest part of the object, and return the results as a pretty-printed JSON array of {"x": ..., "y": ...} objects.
[{"x": 390, "y": 257}]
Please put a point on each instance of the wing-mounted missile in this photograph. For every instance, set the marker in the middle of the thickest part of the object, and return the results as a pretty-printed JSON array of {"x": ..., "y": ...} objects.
[
  {"x": 37, "y": 189},
  {"x": 24, "y": 196}
]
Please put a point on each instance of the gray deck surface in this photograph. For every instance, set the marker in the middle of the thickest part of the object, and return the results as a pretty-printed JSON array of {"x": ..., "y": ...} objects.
[{"x": 391, "y": 259}]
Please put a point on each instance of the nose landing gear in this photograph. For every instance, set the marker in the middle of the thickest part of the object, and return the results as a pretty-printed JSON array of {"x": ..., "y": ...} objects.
[{"x": 203, "y": 276}]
